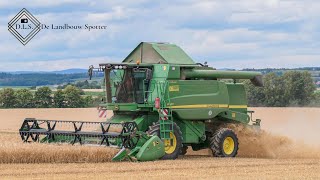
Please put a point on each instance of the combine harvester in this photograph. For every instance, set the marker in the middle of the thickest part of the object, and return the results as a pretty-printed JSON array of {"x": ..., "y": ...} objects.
[{"x": 162, "y": 102}]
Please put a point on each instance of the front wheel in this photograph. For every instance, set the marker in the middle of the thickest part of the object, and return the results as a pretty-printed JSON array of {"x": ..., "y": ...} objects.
[
  {"x": 224, "y": 143},
  {"x": 173, "y": 148}
]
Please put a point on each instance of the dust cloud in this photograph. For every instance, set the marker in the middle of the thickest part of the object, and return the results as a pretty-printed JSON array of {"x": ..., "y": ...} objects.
[{"x": 263, "y": 144}]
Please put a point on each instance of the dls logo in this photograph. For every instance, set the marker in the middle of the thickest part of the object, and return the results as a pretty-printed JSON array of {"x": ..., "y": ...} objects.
[{"x": 24, "y": 26}]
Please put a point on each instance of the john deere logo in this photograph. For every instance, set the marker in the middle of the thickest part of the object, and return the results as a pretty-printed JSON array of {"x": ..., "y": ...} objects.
[{"x": 24, "y": 26}]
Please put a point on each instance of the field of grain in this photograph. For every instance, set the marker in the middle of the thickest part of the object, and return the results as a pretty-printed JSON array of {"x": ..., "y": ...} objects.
[{"x": 289, "y": 147}]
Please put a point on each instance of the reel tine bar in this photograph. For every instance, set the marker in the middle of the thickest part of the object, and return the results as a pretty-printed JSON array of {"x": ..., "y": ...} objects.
[{"x": 33, "y": 128}]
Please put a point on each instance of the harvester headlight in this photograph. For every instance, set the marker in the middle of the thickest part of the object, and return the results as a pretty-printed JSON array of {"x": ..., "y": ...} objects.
[
  {"x": 116, "y": 67},
  {"x": 120, "y": 67}
]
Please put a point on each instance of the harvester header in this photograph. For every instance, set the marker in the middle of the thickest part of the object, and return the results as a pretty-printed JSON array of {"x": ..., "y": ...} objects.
[{"x": 162, "y": 103}]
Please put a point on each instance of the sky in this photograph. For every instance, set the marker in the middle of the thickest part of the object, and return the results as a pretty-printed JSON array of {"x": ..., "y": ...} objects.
[{"x": 225, "y": 33}]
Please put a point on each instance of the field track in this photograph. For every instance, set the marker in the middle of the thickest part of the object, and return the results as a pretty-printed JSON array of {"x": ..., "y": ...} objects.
[
  {"x": 295, "y": 157},
  {"x": 190, "y": 167}
]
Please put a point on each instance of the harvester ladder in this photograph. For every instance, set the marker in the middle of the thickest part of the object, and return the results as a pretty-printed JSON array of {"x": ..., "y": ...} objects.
[{"x": 165, "y": 112}]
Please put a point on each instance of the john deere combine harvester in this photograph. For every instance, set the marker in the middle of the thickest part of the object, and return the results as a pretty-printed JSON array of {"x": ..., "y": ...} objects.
[{"x": 162, "y": 102}]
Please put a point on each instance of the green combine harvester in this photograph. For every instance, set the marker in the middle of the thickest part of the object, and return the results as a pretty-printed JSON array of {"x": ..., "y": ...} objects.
[{"x": 162, "y": 102}]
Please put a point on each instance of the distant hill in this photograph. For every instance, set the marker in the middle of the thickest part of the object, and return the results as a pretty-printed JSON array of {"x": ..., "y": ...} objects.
[
  {"x": 65, "y": 71},
  {"x": 31, "y": 78},
  {"x": 71, "y": 71}
]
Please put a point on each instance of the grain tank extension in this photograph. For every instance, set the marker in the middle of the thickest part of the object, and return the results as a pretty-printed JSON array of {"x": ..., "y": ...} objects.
[{"x": 163, "y": 103}]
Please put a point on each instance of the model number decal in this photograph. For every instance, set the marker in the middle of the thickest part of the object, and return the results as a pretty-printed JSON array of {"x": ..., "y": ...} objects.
[{"x": 174, "y": 88}]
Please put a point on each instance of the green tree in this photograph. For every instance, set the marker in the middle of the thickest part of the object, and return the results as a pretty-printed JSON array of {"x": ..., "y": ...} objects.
[
  {"x": 315, "y": 99},
  {"x": 299, "y": 87},
  {"x": 88, "y": 101},
  {"x": 24, "y": 98},
  {"x": 58, "y": 99},
  {"x": 7, "y": 98},
  {"x": 43, "y": 97},
  {"x": 255, "y": 95},
  {"x": 274, "y": 90},
  {"x": 73, "y": 97}
]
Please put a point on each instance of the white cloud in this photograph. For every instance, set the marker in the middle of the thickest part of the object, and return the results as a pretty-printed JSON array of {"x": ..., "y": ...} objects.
[
  {"x": 37, "y": 3},
  {"x": 117, "y": 13},
  {"x": 289, "y": 61},
  {"x": 240, "y": 33}
]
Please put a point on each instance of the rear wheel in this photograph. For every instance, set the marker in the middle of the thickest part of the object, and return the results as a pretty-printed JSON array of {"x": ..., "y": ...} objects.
[
  {"x": 172, "y": 149},
  {"x": 224, "y": 143}
]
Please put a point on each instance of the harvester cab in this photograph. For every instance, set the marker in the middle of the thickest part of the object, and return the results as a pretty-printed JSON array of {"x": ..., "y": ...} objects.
[{"x": 162, "y": 103}]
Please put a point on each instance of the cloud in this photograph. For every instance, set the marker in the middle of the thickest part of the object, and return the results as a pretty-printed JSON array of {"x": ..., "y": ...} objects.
[
  {"x": 290, "y": 61},
  {"x": 231, "y": 33},
  {"x": 38, "y": 3}
]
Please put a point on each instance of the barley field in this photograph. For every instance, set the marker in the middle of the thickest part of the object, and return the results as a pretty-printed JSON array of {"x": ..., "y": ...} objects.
[{"x": 289, "y": 147}]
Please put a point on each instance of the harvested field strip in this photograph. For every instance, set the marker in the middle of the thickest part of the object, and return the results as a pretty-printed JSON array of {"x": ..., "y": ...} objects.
[{"x": 186, "y": 168}]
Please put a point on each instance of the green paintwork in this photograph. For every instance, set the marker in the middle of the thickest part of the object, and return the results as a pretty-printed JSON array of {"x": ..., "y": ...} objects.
[
  {"x": 151, "y": 150},
  {"x": 194, "y": 95},
  {"x": 188, "y": 92},
  {"x": 197, "y": 73},
  {"x": 198, "y": 114},
  {"x": 172, "y": 53},
  {"x": 237, "y": 96},
  {"x": 235, "y": 116},
  {"x": 148, "y": 148},
  {"x": 122, "y": 106},
  {"x": 121, "y": 155},
  {"x": 153, "y": 53},
  {"x": 192, "y": 131},
  {"x": 143, "y": 121}
]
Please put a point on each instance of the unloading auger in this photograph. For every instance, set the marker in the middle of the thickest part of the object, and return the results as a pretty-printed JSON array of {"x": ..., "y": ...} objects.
[{"x": 162, "y": 102}]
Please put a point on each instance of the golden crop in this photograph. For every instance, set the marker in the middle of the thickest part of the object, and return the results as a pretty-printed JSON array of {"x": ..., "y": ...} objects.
[{"x": 13, "y": 150}]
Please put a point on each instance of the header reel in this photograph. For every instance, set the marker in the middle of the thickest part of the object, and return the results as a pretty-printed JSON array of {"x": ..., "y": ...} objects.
[{"x": 121, "y": 135}]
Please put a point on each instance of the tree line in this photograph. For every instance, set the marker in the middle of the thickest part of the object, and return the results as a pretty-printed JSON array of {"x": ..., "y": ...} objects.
[
  {"x": 44, "y": 97},
  {"x": 40, "y": 79},
  {"x": 293, "y": 88},
  {"x": 83, "y": 85}
]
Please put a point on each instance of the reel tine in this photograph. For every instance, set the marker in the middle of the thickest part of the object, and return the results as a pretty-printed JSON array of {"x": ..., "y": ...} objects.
[{"x": 75, "y": 132}]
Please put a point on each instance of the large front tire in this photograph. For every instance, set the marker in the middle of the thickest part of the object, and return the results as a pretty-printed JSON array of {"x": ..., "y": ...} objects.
[
  {"x": 224, "y": 143},
  {"x": 171, "y": 151}
]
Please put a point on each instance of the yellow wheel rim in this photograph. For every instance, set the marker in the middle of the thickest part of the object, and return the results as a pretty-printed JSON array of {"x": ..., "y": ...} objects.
[
  {"x": 228, "y": 145},
  {"x": 168, "y": 146}
]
